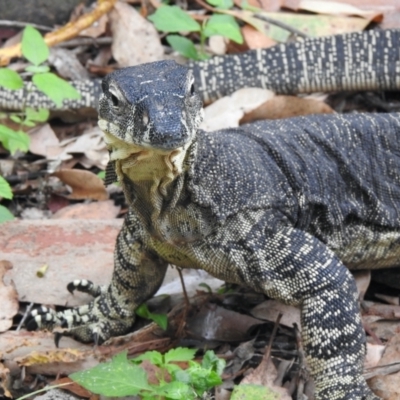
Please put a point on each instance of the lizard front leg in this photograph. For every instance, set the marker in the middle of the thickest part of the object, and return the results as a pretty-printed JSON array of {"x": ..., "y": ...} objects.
[
  {"x": 295, "y": 267},
  {"x": 137, "y": 275}
]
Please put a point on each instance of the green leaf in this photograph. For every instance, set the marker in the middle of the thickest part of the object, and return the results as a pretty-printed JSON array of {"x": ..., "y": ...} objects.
[
  {"x": 153, "y": 356},
  {"x": 101, "y": 174},
  {"x": 34, "y": 48},
  {"x": 173, "y": 19},
  {"x": 143, "y": 311},
  {"x": 5, "y": 189},
  {"x": 37, "y": 69},
  {"x": 224, "y": 25},
  {"x": 10, "y": 79},
  {"x": 55, "y": 88},
  {"x": 28, "y": 123},
  {"x": 172, "y": 368},
  {"x": 176, "y": 390},
  {"x": 179, "y": 354},
  {"x": 182, "y": 376},
  {"x": 40, "y": 115},
  {"x": 253, "y": 392},
  {"x": 15, "y": 118},
  {"x": 203, "y": 379},
  {"x": 14, "y": 140},
  {"x": 183, "y": 46},
  {"x": 116, "y": 378},
  {"x": 160, "y": 319},
  {"x": 223, "y": 4},
  {"x": 211, "y": 361},
  {"x": 206, "y": 286},
  {"x": 5, "y": 214}
]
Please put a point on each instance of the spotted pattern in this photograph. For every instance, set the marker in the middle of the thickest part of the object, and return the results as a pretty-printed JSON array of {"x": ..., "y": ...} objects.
[
  {"x": 355, "y": 61},
  {"x": 276, "y": 205}
]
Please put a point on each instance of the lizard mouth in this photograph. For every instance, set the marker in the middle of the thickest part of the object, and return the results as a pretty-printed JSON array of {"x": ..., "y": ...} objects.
[
  {"x": 126, "y": 154},
  {"x": 121, "y": 150}
]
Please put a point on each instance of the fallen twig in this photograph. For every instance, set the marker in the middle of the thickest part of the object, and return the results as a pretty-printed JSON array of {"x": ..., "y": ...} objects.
[{"x": 66, "y": 32}]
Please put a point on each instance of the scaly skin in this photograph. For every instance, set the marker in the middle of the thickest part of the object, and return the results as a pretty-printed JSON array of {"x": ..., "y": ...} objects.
[{"x": 279, "y": 206}]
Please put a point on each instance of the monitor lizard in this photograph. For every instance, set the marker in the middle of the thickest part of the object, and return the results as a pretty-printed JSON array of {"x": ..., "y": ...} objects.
[
  {"x": 356, "y": 61},
  {"x": 280, "y": 206}
]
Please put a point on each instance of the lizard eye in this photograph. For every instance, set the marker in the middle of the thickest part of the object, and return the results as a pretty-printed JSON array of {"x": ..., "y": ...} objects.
[
  {"x": 192, "y": 89},
  {"x": 114, "y": 100}
]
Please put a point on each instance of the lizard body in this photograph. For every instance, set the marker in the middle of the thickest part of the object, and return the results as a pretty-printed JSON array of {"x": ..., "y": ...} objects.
[{"x": 280, "y": 206}]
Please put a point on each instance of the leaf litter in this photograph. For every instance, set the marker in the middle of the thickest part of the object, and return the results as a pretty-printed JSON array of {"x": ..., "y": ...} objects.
[{"x": 63, "y": 162}]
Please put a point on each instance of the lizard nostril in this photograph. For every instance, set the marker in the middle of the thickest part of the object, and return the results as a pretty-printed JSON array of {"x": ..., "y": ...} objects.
[{"x": 145, "y": 118}]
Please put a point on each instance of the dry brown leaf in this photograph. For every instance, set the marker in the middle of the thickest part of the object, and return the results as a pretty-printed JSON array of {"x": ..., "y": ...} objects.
[
  {"x": 44, "y": 142},
  {"x": 218, "y": 323},
  {"x": 135, "y": 40},
  {"x": 291, "y": 4},
  {"x": 218, "y": 44},
  {"x": 5, "y": 380},
  {"x": 227, "y": 111},
  {"x": 338, "y": 8},
  {"x": 388, "y": 386},
  {"x": 84, "y": 184},
  {"x": 363, "y": 279},
  {"x": 270, "y": 309},
  {"x": 19, "y": 345},
  {"x": 266, "y": 5},
  {"x": 383, "y": 329},
  {"x": 98, "y": 210},
  {"x": 90, "y": 145},
  {"x": 393, "y": 300},
  {"x": 50, "y": 356},
  {"x": 72, "y": 387},
  {"x": 67, "y": 64},
  {"x": 285, "y": 107},
  {"x": 265, "y": 374},
  {"x": 374, "y": 355},
  {"x": 378, "y": 5},
  {"x": 9, "y": 298},
  {"x": 97, "y": 29},
  {"x": 254, "y": 39}
]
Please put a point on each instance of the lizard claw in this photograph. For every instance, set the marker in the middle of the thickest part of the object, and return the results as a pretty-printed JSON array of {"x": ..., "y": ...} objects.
[
  {"x": 85, "y": 286},
  {"x": 57, "y": 338}
]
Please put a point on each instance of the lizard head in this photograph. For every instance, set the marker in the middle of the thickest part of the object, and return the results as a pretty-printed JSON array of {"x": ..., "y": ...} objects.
[{"x": 151, "y": 106}]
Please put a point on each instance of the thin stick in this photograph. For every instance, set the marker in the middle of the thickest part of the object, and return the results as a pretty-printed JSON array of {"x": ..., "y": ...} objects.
[
  {"x": 187, "y": 305},
  {"x": 19, "y": 24}
]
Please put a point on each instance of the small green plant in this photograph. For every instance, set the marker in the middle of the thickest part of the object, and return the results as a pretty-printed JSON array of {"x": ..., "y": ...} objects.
[
  {"x": 123, "y": 377},
  {"x": 36, "y": 51},
  {"x": 6, "y": 193},
  {"x": 160, "y": 319},
  {"x": 250, "y": 391},
  {"x": 172, "y": 19}
]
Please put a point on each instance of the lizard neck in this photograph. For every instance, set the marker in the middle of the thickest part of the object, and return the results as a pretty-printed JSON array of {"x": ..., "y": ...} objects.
[{"x": 148, "y": 175}]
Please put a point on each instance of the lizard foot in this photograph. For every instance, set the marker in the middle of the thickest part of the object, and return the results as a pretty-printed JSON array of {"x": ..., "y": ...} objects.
[{"x": 94, "y": 322}]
